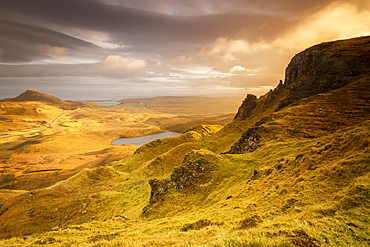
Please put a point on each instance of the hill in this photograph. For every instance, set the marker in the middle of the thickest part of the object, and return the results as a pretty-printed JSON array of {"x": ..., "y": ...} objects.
[
  {"x": 32, "y": 95},
  {"x": 291, "y": 169},
  {"x": 35, "y": 96}
]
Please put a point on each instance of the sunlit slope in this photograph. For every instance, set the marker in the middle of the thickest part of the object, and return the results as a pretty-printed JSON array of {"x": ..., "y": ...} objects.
[
  {"x": 288, "y": 135},
  {"x": 43, "y": 143},
  {"x": 284, "y": 194},
  {"x": 119, "y": 189},
  {"x": 292, "y": 169},
  {"x": 322, "y": 139}
]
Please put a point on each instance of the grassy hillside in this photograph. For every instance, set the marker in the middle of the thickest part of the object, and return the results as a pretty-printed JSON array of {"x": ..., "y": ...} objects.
[
  {"x": 45, "y": 139},
  {"x": 292, "y": 169}
]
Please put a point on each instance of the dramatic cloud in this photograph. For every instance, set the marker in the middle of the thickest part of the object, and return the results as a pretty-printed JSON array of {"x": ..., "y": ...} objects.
[
  {"x": 338, "y": 20},
  {"x": 52, "y": 50},
  {"x": 117, "y": 62},
  {"x": 164, "y": 47}
]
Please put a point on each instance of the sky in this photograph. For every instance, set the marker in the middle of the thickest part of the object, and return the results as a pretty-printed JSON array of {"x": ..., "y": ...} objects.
[{"x": 116, "y": 49}]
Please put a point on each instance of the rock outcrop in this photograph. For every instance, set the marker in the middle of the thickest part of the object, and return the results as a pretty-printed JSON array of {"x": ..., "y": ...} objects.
[
  {"x": 325, "y": 67},
  {"x": 316, "y": 70},
  {"x": 159, "y": 190},
  {"x": 195, "y": 171},
  {"x": 246, "y": 108},
  {"x": 249, "y": 142}
]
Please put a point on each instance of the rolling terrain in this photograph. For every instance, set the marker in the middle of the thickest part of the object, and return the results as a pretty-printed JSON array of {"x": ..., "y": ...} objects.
[
  {"x": 291, "y": 169},
  {"x": 45, "y": 139},
  {"x": 189, "y": 111}
]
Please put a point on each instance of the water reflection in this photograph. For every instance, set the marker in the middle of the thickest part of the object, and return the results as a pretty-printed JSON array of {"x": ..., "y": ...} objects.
[{"x": 143, "y": 139}]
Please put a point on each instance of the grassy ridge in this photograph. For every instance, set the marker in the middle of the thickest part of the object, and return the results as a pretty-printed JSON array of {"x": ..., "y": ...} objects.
[{"x": 300, "y": 194}]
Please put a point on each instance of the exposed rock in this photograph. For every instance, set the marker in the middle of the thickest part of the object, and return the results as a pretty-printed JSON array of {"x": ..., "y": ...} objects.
[
  {"x": 159, "y": 189},
  {"x": 302, "y": 239},
  {"x": 195, "y": 169},
  {"x": 246, "y": 108},
  {"x": 197, "y": 225},
  {"x": 319, "y": 69},
  {"x": 325, "y": 67},
  {"x": 250, "y": 222},
  {"x": 249, "y": 142}
]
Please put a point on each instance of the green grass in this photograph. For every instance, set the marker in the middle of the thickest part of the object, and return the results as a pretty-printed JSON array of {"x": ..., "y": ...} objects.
[
  {"x": 284, "y": 194},
  {"x": 308, "y": 184}
]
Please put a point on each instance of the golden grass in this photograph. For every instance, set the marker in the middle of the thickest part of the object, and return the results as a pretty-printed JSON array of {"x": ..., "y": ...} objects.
[{"x": 300, "y": 188}]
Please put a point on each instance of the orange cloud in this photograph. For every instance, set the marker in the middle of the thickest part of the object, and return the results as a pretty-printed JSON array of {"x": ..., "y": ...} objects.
[
  {"x": 237, "y": 68},
  {"x": 336, "y": 21},
  {"x": 52, "y": 50},
  {"x": 118, "y": 62}
]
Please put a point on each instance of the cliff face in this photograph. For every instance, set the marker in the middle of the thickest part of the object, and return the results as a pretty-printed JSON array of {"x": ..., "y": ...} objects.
[
  {"x": 314, "y": 71},
  {"x": 246, "y": 108},
  {"x": 319, "y": 69},
  {"x": 326, "y": 67}
]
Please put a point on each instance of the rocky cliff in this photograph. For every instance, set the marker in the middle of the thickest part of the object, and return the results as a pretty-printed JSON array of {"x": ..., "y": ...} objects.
[
  {"x": 246, "y": 108},
  {"x": 325, "y": 67},
  {"x": 314, "y": 71}
]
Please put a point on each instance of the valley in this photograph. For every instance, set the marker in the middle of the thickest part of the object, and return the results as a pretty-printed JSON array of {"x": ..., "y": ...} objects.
[
  {"x": 289, "y": 168},
  {"x": 43, "y": 143}
]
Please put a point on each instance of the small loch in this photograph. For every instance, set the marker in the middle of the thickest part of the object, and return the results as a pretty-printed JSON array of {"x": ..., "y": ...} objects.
[{"x": 143, "y": 139}]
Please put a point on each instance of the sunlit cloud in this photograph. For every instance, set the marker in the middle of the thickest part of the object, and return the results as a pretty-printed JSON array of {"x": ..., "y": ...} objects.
[
  {"x": 195, "y": 46},
  {"x": 183, "y": 59},
  {"x": 336, "y": 21},
  {"x": 228, "y": 57},
  {"x": 231, "y": 47},
  {"x": 237, "y": 68},
  {"x": 52, "y": 50},
  {"x": 118, "y": 62}
]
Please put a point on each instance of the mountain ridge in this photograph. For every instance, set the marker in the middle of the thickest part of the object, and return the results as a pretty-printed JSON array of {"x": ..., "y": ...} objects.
[{"x": 291, "y": 169}]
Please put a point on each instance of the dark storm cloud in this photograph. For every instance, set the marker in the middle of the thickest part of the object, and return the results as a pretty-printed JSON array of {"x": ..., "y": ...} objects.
[
  {"x": 158, "y": 47},
  {"x": 21, "y": 42},
  {"x": 291, "y": 8},
  {"x": 141, "y": 28}
]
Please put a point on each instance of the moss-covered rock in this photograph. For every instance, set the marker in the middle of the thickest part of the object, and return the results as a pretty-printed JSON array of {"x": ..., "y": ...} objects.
[{"x": 195, "y": 170}]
